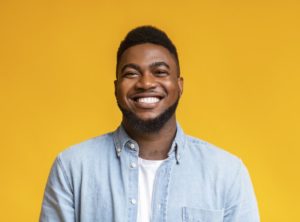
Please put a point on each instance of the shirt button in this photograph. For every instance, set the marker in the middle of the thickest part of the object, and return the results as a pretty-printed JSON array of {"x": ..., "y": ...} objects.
[
  {"x": 132, "y": 165},
  {"x": 132, "y": 146},
  {"x": 133, "y": 201}
]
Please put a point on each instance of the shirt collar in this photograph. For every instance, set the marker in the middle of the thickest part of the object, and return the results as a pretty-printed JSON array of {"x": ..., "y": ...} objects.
[
  {"x": 121, "y": 140},
  {"x": 178, "y": 144}
]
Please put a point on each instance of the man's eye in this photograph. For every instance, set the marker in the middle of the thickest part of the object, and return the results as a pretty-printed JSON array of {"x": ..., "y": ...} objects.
[
  {"x": 130, "y": 74},
  {"x": 161, "y": 73}
]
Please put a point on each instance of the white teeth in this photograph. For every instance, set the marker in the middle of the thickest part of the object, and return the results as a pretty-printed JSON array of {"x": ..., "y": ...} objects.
[{"x": 148, "y": 100}]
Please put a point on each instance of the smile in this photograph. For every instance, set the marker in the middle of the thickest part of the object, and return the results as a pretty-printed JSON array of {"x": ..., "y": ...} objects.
[{"x": 148, "y": 100}]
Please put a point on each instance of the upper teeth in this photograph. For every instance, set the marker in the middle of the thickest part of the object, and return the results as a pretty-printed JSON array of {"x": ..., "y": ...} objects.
[{"x": 148, "y": 100}]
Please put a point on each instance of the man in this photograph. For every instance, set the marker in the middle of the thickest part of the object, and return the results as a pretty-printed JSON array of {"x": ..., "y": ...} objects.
[{"x": 148, "y": 169}]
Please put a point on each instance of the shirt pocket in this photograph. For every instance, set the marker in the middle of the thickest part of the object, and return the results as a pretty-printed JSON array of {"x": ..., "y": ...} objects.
[{"x": 201, "y": 215}]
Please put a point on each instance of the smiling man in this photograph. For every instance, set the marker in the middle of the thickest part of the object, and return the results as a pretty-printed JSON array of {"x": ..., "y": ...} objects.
[{"x": 148, "y": 169}]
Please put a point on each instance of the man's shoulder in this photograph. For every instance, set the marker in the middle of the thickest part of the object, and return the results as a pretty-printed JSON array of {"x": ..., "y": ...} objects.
[
  {"x": 210, "y": 154},
  {"x": 88, "y": 149}
]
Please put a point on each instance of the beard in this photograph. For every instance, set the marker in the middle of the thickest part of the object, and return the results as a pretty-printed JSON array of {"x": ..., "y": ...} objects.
[{"x": 150, "y": 125}]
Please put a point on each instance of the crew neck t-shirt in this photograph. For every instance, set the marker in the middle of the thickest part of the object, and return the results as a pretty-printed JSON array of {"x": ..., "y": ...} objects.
[{"x": 147, "y": 172}]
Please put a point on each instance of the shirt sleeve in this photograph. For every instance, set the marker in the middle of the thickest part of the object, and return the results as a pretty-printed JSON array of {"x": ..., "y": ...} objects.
[
  {"x": 241, "y": 202},
  {"x": 58, "y": 204}
]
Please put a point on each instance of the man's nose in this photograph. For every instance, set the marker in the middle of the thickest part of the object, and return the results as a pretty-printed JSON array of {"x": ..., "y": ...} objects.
[{"x": 147, "y": 81}]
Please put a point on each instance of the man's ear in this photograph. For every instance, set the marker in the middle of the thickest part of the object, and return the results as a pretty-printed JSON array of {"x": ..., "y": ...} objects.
[
  {"x": 180, "y": 85},
  {"x": 115, "y": 84}
]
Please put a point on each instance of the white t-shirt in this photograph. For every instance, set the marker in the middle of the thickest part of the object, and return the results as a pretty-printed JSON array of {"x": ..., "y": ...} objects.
[{"x": 147, "y": 172}]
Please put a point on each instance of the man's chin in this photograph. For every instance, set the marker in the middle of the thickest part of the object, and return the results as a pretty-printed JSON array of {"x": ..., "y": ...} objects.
[
  {"x": 146, "y": 118},
  {"x": 148, "y": 123}
]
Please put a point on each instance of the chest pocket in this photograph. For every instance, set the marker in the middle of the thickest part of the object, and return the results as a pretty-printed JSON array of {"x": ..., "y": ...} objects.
[{"x": 200, "y": 215}]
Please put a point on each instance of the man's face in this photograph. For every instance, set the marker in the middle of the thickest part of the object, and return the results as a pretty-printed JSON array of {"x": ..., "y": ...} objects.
[{"x": 147, "y": 82}]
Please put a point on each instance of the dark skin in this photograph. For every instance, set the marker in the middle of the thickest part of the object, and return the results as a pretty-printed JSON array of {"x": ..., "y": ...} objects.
[
  {"x": 154, "y": 146},
  {"x": 147, "y": 84}
]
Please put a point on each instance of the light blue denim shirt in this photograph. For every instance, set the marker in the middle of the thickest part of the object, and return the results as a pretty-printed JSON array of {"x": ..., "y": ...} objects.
[{"x": 97, "y": 180}]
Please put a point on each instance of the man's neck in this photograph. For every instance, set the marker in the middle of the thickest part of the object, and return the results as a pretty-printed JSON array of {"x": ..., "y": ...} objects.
[{"x": 154, "y": 146}]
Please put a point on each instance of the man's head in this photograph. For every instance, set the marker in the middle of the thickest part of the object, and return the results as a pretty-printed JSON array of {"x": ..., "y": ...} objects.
[
  {"x": 148, "y": 85},
  {"x": 147, "y": 34}
]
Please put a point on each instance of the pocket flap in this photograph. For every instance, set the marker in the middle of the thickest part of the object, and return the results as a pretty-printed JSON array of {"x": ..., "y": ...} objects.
[{"x": 201, "y": 215}]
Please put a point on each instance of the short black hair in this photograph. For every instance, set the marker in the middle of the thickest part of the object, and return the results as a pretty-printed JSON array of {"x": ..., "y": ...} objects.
[{"x": 147, "y": 34}]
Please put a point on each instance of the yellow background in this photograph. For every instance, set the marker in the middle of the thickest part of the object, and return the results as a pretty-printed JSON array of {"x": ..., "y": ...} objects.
[{"x": 240, "y": 61}]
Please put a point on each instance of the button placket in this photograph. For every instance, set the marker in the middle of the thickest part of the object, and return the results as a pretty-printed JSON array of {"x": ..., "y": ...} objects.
[
  {"x": 133, "y": 201},
  {"x": 133, "y": 165}
]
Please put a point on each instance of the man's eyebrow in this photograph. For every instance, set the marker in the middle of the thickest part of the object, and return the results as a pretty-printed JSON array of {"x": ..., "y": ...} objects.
[
  {"x": 156, "y": 64},
  {"x": 130, "y": 65}
]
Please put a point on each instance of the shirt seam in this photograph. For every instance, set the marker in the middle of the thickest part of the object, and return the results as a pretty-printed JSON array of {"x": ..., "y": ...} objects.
[
  {"x": 61, "y": 166},
  {"x": 232, "y": 185}
]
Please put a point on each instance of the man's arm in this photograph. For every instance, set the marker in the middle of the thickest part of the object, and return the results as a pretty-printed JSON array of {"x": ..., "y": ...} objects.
[
  {"x": 241, "y": 203},
  {"x": 58, "y": 204}
]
